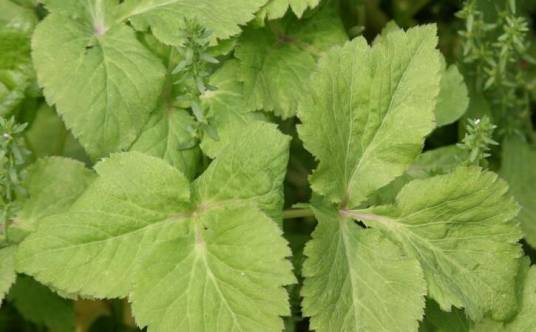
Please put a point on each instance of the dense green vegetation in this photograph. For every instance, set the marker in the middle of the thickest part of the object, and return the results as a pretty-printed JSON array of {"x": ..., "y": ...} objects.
[{"x": 267, "y": 165}]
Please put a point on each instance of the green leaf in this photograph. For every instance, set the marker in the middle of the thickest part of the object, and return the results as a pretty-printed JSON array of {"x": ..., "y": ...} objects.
[
  {"x": 276, "y": 63},
  {"x": 228, "y": 112},
  {"x": 16, "y": 74},
  {"x": 440, "y": 321},
  {"x": 102, "y": 80},
  {"x": 38, "y": 304},
  {"x": 368, "y": 111},
  {"x": 438, "y": 161},
  {"x": 277, "y": 8},
  {"x": 166, "y": 17},
  {"x": 14, "y": 84},
  {"x": 460, "y": 227},
  {"x": 7, "y": 270},
  {"x": 453, "y": 98},
  {"x": 47, "y": 136},
  {"x": 53, "y": 185},
  {"x": 14, "y": 48},
  {"x": 250, "y": 171},
  {"x": 91, "y": 249},
  {"x": 216, "y": 275},
  {"x": 519, "y": 170},
  {"x": 432, "y": 162},
  {"x": 163, "y": 136},
  {"x": 137, "y": 221},
  {"x": 524, "y": 320},
  {"x": 357, "y": 280},
  {"x": 17, "y": 17}
]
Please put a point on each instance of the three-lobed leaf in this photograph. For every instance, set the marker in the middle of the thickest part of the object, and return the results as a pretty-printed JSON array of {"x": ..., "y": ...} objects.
[
  {"x": 141, "y": 222},
  {"x": 369, "y": 110}
]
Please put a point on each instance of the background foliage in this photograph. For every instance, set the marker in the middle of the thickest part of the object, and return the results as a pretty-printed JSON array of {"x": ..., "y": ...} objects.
[{"x": 196, "y": 95}]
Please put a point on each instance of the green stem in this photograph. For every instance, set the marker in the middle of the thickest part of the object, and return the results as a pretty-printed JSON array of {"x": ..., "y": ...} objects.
[{"x": 297, "y": 213}]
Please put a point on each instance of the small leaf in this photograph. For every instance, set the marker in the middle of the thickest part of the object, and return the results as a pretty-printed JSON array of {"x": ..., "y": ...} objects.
[
  {"x": 453, "y": 99},
  {"x": 275, "y": 66},
  {"x": 7, "y": 270},
  {"x": 166, "y": 136},
  {"x": 38, "y": 304},
  {"x": 518, "y": 168}
]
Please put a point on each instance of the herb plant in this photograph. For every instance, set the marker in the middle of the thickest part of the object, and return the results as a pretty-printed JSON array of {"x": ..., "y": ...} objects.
[{"x": 267, "y": 165}]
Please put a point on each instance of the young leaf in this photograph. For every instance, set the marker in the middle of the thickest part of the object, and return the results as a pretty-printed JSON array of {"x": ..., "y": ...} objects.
[
  {"x": 16, "y": 74},
  {"x": 228, "y": 111},
  {"x": 275, "y": 65},
  {"x": 7, "y": 270},
  {"x": 437, "y": 320},
  {"x": 453, "y": 99},
  {"x": 48, "y": 136},
  {"x": 368, "y": 110},
  {"x": 53, "y": 185},
  {"x": 102, "y": 80},
  {"x": 165, "y": 17},
  {"x": 41, "y": 306},
  {"x": 459, "y": 226},
  {"x": 277, "y": 8},
  {"x": 524, "y": 320},
  {"x": 432, "y": 162},
  {"x": 163, "y": 136},
  {"x": 357, "y": 280},
  {"x": 138, "y": 221},
  {"x": 519, "y": 170}
]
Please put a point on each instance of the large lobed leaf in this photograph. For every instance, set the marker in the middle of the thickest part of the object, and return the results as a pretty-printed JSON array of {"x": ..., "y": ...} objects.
[
  {"x": 141, "y": 228},
  {"x": 368, "y": 111}
]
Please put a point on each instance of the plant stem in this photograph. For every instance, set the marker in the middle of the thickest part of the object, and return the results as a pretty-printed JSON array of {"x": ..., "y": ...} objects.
[{"x": 297, "y": 213}]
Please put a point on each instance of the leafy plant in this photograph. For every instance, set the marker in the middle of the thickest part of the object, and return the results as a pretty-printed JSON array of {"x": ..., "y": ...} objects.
[{"x": 267, "y": 165}]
